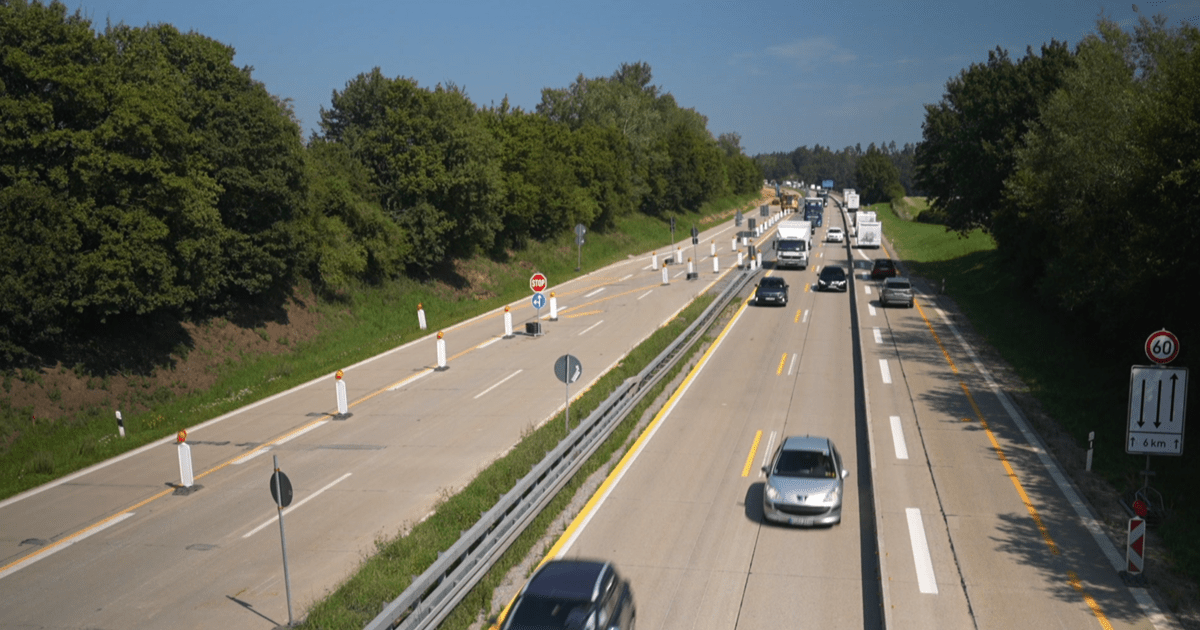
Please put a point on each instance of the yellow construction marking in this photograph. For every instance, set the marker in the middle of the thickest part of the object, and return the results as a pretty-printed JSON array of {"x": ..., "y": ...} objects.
[
  {"x": 1012, "y": 475},
  {"x": 582, "y": 314},
  {"x": 750, "y": 457},
  {"x": 807, "y": 286},
  {"x": 1073, "y": 578},
  {"x": 782, "y": 359},
  {"x": 799, "y": 312}
]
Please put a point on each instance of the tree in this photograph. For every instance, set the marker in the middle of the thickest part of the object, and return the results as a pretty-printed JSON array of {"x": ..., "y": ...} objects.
[
  {"x": 877, "y": 177},
  {"x": 969, "y": 138}
]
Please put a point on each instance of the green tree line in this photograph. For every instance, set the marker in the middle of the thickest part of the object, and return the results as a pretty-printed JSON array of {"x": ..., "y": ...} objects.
[
  {"x": 1084, "y": 165},
  {"x": 879, "y": 173},
  {"x": 143, "y": 174}
]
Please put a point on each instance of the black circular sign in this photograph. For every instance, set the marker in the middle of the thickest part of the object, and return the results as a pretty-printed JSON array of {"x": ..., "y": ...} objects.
[
  {"x": 281, "y": 491},
  {"x": 568, "y": 369}
]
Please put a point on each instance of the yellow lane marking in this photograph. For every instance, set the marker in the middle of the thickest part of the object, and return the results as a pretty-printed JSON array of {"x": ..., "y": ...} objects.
[
  {"x": 807, "y": 286},
  {"x": 582, "y": 314},
  {"x": 1012, "y": 475},
  {"x": 799, "y": 312},
  {"x": 1073, "y": 578},
  {"x": 750, "y": 457},
  {"x": 782, "y": 359}
]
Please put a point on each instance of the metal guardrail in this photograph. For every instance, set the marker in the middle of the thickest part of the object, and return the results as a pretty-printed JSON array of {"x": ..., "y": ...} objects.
[{"x": 434, "y": 593}]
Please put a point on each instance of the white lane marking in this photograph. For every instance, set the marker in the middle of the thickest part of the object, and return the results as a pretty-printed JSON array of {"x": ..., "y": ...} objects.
[
  {"x": 588, "y": 295},
  {"x": 502, "y": 381},
  {"x": 585, "y": 330},
  {"x": 863, "y": 254},
  {"x": 871, "y": 309},
  {"x": 295, "y": 506},
  {"x": 259, "y": 451},
  {"x": 1141, "y": 595},
  {"x": 681, "y": 272},
  {"x": 625, "y": 278},
  {"x": 488, "y": 343},
  {"x": 885, "y": 372},
  {"x": 409, "y": 380},
  {"x": 792, "y": 367},
  {"x": 926, "y": 581},
  {"x": 645, "y": 294},
  {"x": 767, "y": 454},
  {"x": 867, "y": 289},
  {"x": 804, "y": 320},
  {"x": 878, "y": 335},
  {"x": 64, "y": 544},
  {"x": 898, "y": 438}
]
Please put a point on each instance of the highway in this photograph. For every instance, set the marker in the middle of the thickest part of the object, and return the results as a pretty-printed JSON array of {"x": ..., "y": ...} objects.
[
  {"x": 116, "y": 547},
  {"x": 952, "y": 517}
]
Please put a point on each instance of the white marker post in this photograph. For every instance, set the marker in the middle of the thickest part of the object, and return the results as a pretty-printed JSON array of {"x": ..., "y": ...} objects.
[
  {"x": 508, "y": 333},
  {"x": 421, "y": 316},
  {"x": 739, "y": 264},
  {"x": 343, "y": 406},
  {"x": 666, "y": 280},
  {"x": 691, "y": 268},
  {"x": 653, "y": 261},
  {"x": 553, "y": 307},
  {"x": 186, "y": 480},
  {"x": 713, "y": 247},
  {"x": 758, "y": 260},
  {"x": 733, "y": 243},
  {"x": 120, "y": 424},
  {"x": 441, "y": 352},
  {"x": 716, "y": 267}
]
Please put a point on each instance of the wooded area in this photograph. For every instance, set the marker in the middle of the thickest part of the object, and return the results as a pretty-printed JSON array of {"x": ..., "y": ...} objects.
[
  {"x": 143, "y": 175},
  {"x": 1085, "y": 167}
]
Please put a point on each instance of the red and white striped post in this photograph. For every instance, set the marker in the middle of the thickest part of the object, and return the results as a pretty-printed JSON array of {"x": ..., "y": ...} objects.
[
  {"x": 343, "y": 405},
  {"x": 421, "y": 316},
  {"x": 1135, "y": 548},
  {"x": 441, "y": 351}
]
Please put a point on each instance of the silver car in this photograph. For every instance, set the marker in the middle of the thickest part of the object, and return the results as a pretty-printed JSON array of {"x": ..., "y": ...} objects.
[
  {"x": 804, "y": 482},
  {"x": 896, "y": 290}
]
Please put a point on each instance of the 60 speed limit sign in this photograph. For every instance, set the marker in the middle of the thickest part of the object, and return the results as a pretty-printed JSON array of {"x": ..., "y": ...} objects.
[{"x": 1162, "y": 347}]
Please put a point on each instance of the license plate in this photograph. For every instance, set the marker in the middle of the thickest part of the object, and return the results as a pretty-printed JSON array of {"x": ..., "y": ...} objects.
[{"x": 792, "y": 520}]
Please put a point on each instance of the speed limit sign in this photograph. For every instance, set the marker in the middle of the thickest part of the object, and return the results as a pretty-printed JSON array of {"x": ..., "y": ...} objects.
[{"x": 1162, "y": 347}]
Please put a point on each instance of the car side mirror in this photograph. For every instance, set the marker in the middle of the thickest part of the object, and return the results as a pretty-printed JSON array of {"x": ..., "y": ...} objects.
[
  {"x": 845, "y": 473},
  {"x": 764, "y": 469}
]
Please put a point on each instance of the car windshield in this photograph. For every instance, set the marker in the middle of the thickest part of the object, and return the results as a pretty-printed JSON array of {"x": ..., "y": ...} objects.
[
  {"x": 771, "y": 283},
  {"x": 883, "y": 264},
  {"x": 833, "y": 273},
  {"x": 897, "y": 284},
  {"x": 790, "y": 246},
  {"x": 541, "y": 612},
  {"x": 812, "y": 464}
]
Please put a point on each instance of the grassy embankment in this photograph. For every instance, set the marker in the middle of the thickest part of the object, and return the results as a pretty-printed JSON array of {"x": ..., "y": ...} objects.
[
  {"x": 365, "y": 324},
  {"x": 1082, "y": 384}
]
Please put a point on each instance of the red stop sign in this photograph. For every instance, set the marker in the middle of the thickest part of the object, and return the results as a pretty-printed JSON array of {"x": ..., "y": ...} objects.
[{"x": 537, "y": 282}]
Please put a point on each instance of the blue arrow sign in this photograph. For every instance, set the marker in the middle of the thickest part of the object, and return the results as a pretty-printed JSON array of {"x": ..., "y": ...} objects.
[{"x": 539, "y": 300}]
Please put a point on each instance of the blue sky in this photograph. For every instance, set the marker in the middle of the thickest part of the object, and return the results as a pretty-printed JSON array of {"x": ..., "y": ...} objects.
[{"x": 780, "y": 74}]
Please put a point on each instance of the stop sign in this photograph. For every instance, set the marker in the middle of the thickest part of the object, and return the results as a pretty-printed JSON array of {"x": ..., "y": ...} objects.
[{"x": 537, "y": 282}]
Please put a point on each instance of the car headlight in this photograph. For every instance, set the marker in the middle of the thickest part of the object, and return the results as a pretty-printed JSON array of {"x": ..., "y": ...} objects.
[
  {"x": 833, "y": 495},
  {"x": 772, "y": 493}
]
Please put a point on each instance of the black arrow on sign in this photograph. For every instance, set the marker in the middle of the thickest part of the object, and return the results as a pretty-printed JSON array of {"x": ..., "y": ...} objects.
[
  {"x": 1158, "y": 407},
  {"x": 1174, "y": 381},
  {"x": 1142, "y": 411}
]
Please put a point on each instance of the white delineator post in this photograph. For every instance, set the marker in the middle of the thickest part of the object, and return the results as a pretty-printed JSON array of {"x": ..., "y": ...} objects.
[
  {"x": 508, "y": 333},
  {"x": 713, "y": 247},
  {"x": 185, "y": 461},
  {"x": 733, "y": 243},
  {"x": 691, "y": 268},
  {"x": 758, "y": 260},
  {"x": 716, "y": 267},
  {"x": 739, "y": 259},
  {"x": 441, "y": 351},
  {"x": 666, "y": 280},
  {"x": 120, "y": 424},
  {"x": 553, "y": 307},
  {"x": 653, "y": 261},
  {"x": 343, "y": 405},
  {"x": 421, "y": 316}
]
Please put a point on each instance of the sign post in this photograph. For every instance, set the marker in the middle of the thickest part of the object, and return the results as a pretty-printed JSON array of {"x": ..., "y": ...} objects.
[
  {"x": 281, "y": 492},
  {"x": 1157, "y": 408},
  {"x": 537, "y": 284},
  {"x": 568, "y": 369}
]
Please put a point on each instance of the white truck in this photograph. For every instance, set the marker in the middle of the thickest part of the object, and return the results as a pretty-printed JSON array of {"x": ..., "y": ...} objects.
[
  {"x": 852, "y": 201},
  {"x": 859, "y": 217},
  {"x": 793, "y": 242},
  {"x": 870, "y": 234}
]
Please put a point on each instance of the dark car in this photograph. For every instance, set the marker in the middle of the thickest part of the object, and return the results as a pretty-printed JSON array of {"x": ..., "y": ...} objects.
[
  {"x": 896, "y": 290},
  {"x": 575, "y": 594},
  {"x": 771, "y": 290},
  {"x": 832, "y": 278},
  {"x": 884, "y": 268},
  {"x": 804, "y": 482}
]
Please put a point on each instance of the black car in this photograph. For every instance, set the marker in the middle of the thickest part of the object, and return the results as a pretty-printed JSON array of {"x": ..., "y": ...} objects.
[
  {"x": 884, "y": 268},
  {"x": 771, "y": 290},
  {"x": 832, "y": 278},
  {"x": 575, "y": 594}
]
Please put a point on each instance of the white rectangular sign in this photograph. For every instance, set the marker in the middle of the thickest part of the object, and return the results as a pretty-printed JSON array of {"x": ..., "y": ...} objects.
[{"x": 1157, "y": 410}]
